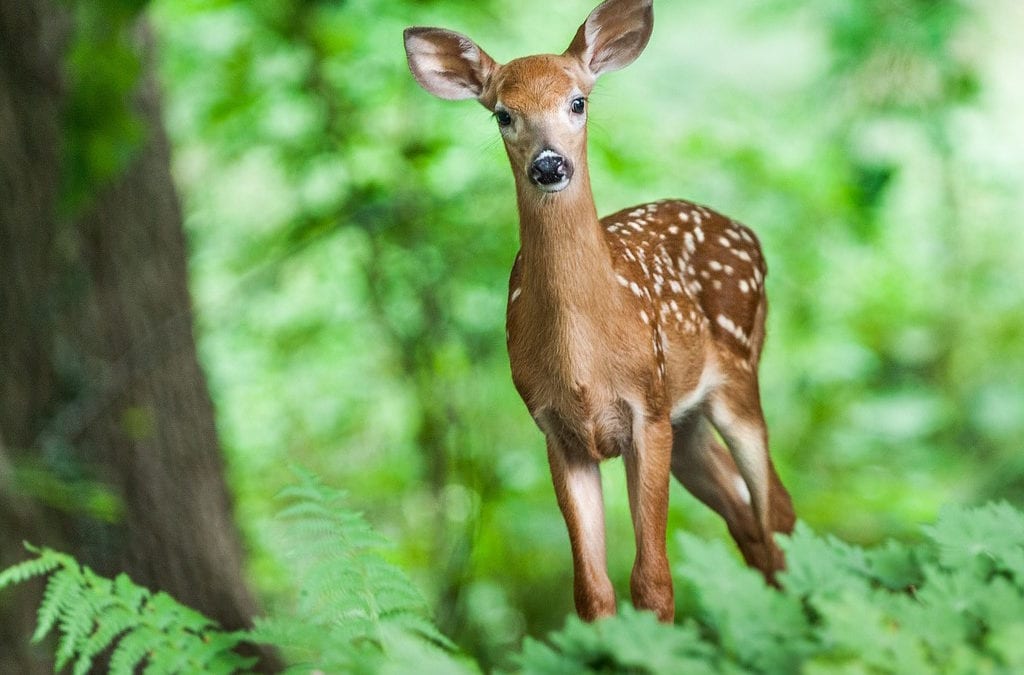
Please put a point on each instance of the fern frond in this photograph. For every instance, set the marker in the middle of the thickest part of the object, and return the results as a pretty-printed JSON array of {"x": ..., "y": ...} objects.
[
  {"x": 112, "y": 624},
  {"x": 132, "y": 650},
  {"x": 76, "y": 624},
  {"x": 145, "y": 630},
  {"x": 63, "y": 590},
  {"x": 352, "y": 601},
  {"x": 33, "y": 567},
  {"x": 217, "y": 653}
]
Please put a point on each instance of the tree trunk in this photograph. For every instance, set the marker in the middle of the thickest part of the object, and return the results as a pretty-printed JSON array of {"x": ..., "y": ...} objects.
[{"x": 99, "y": 378}]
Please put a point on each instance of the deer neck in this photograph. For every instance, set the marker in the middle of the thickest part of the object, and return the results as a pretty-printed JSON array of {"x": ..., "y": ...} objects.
[{"x": 567, "y": 272}]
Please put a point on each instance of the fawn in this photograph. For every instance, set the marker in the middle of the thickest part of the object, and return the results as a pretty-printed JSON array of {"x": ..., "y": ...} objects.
[{"x": 630, "y": 335}]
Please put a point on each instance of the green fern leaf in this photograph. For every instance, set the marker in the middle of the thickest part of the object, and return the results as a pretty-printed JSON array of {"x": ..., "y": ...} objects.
[
  {"x": 62, "y": 591},
  {"x": 131, "y": 651},
  {"x": 352, "y": 602},
  {"x": 129, "y": 595},
  {"x": 166, "y": 614},
  {"x": 77, "y": 622},
  {"x": 215, "y": 652},
  {"x": 112, "y": 624},
  {"x": 34, "y": 567},
  {"x": 407, "y": 653}
]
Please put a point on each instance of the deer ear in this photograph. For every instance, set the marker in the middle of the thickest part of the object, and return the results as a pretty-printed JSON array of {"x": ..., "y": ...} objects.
[
  {"x": 447, "y": 64},
  {"x": 613, "y": 35}
]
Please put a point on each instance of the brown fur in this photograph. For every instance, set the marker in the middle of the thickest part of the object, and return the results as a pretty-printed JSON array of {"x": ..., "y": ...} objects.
[{"x": 631, "y": 335}]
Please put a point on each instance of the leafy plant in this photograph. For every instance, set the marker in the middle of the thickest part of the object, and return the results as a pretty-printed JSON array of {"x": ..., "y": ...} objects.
[
  {"x": 93, "y": 614},
  {"x": 354, "y": 610},
  {"x": 953, "y": 603}
]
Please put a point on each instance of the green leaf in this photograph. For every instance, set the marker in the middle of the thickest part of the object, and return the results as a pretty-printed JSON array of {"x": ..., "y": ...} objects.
[
  {"x": 63, "y": 591},
  {"x": 991, "y": 534},
  {"x": 735, "y": 604},
  {"x": 821, "y": 566},
  {"x": 33, "y": 567},
  {"x": 630, "y": 641}
]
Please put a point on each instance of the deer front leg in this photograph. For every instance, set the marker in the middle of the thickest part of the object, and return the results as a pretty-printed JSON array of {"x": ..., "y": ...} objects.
[
  {"x": 577, "y": 481},
  {"x": 647, "y": 478}
]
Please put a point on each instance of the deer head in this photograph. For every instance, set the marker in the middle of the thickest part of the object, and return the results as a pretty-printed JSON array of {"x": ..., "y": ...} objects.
[{"x": 539, "y": 102}]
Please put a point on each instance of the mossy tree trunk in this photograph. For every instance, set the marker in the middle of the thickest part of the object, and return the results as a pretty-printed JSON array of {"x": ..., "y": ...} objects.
[{"x": 108, "y": 448}]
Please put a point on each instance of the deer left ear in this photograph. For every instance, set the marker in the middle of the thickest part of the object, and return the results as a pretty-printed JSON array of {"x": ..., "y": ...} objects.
[{"x": 613, "y": 35}]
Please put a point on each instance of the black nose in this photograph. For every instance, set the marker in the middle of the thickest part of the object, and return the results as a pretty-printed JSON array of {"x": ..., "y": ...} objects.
[{"x": 550, "y": 168}]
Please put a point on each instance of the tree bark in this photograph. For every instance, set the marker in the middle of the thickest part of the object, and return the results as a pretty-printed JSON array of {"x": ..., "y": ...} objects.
[{"x": 99, "y": 378}]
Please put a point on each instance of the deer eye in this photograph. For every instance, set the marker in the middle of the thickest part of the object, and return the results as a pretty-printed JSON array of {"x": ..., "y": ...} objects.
[
  {"x": 503, "y": 117},
  {"x": 579, "y": 105}
]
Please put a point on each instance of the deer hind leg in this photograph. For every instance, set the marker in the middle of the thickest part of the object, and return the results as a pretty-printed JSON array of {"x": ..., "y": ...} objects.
[
  {"x": 707, "y": 470},
  {"x": 735, "y": 411},
  {"x": 647, "y": 478},
  {"x": 577, "y": 481}
]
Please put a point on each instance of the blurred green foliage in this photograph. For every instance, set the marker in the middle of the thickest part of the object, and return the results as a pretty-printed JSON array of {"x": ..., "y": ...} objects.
[
  {"x": 101, "y": 128},
  {"x": 953, "y": 603},
  {"x": 351, "y": 237}
]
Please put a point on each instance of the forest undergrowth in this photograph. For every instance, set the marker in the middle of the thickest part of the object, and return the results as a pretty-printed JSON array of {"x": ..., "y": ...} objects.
[{"x": 951, "y": 603}]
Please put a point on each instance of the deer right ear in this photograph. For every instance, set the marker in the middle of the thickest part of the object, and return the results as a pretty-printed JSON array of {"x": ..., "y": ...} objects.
[{"x": 447, "y": 64}]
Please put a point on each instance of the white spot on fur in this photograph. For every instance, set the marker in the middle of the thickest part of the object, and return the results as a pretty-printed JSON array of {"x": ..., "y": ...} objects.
[
  {"x": 688, "y": 242},
  {"x": 742, "y": 254},
  {"x": 732, "y": 329}
]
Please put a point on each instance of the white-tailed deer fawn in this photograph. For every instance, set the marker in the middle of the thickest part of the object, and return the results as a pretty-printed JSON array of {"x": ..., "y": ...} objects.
[{"x": 627, "y": 335}]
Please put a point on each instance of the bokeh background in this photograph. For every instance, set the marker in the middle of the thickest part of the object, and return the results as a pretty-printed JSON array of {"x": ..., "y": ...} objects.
[{"x": 349, "y": 240}]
